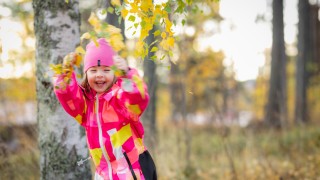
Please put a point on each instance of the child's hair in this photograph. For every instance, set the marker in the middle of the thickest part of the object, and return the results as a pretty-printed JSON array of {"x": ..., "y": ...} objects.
[{"x": 85, "y": 83}]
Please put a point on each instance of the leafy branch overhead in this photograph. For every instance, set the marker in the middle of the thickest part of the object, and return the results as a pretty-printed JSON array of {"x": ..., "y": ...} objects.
[{"x": 144, "y": 15}]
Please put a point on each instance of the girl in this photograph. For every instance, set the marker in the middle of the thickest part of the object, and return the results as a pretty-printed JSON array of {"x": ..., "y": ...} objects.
[{"x": 109, "y": 109}]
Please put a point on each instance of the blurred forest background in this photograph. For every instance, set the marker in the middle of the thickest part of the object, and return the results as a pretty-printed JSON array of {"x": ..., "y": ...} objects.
[{"x": 239, "y": 98}]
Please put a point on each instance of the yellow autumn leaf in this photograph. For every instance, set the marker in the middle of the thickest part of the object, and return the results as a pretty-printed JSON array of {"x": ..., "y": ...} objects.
[
  {"x": 78, "y": 60},
  {"x": 80, "y": 50},
  {"x": 85, "y": 36},
  {"x": 146, "y": 5},
  {"x": 163, "y": 35},
  {"x": 95, "y": 22},
  {"x": 113, "y": 30},
  {"x": 157, "y": 11},
  {"x": 57, "y": 69},
  {"x": 149, "y": 24},
  {"x": 143, "y": 34},
  {"x": 95, "y": 40},
  {"x": 168, "y": 25},
  {"x": 134, "y": 8},
  {"x": 115, "y": 2},
  {"x": 139, "y": 48},
  {"x": 164, "y": 45},
  {"x": 124, "y": 13},
  {"x": 170, "y": 41},
  {"x": 116, "y": 42}
]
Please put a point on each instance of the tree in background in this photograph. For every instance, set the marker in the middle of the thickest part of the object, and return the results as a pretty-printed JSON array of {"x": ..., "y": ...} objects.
[
  {"x": 151, "y": 79},
  {"x": 314, "y": 66},
  {"x": 114, "y": 19},
  {"x": 276, "y": 110},
  {"x": 61, "y": 141},
  {"x": 307, "y": 65}
]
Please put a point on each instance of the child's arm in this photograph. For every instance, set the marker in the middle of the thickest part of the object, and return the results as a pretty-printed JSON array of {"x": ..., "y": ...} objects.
[
  {"x": 134, "y": 92},
  {"x": 70, "y": 96}
]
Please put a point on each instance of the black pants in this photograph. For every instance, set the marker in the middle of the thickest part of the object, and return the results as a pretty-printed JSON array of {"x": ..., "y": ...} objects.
[{"x": 147, "y": 166}]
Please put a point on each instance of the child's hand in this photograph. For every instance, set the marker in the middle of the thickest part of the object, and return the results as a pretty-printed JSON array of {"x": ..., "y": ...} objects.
[
  {"x": 68, "y": 61},
  {"x": 120, "y": 63}
]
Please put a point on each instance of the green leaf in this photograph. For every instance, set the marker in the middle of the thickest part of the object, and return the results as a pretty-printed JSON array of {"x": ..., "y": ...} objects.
[
  {"x": 119, "y": 19},
  {"x": 67, "y": 1},
  {"x": 154, "y": 49},
  {"x": 153, "y": 42},
  {"x": 154, "y": 57},
  {"x": 174, "y": 22},
  {"x": 129, "y": 28},
  {"x": 110, "y": 10},
  {"x": 157, "y": 33},
  {"x": 183, "y": 22},
  {"x": 132, "y": 18},
  {"x": 103, "y": 12},
  {"x": 168, "y": 8},
  {"x": 118, "y": 10},
  {"x": 143, "y": 24},
  {"x": 179, "y": 9},
  {"x": 170, "y": 53}
]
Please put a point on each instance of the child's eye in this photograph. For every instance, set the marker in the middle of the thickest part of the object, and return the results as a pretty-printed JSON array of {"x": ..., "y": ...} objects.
[
  {"x": 106, "y": 70},
  {"x": 93, "y": 70}
]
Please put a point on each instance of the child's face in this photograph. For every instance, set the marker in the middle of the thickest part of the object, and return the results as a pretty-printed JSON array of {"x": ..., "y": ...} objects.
[{"x": 100, "y": 78}]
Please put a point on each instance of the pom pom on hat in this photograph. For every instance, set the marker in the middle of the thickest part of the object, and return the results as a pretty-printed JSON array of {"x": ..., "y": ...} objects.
[{"x": 101, "y": 55}]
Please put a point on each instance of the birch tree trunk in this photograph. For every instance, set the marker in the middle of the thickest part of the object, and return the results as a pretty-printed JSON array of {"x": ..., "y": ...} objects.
[
  {"x": 276, "y": 112},
  {"x": 61, "y": 140}
]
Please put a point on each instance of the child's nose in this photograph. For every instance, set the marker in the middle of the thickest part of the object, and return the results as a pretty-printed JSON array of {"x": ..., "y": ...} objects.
[{"x": 99, "y": 73}]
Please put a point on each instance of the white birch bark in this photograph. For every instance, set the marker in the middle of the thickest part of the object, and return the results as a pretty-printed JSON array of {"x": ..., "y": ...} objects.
[{"x": 61, "y": 140}]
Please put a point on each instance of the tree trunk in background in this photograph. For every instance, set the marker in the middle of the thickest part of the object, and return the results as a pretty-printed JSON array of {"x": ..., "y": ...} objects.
[
  {"x": 149, "y": 116},
  {"x": 304, "y": 56},
  {"x": 276, "y": 112},
  {"x": 113, "y": 19},
  {"x": 62, "y": 141},
  {"x": 176, "y": 92}
]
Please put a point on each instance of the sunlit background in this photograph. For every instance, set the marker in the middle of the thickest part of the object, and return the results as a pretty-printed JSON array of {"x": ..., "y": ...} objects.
[
  {"x": 243, "y": 35},
  {"x": 225, "y": 61}
]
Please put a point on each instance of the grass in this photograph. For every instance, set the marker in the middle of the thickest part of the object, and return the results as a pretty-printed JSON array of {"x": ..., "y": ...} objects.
[
  {"x": 240, "y": 154},
  {"x": 215, "y": 153}
]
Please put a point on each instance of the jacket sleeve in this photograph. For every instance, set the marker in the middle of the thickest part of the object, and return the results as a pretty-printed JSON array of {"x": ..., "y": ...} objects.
[
  {"x": 70, "y": 97},
  {"x": 133, "y": 93}
]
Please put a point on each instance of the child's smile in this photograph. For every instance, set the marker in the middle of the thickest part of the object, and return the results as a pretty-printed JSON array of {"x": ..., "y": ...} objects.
[{"x": 100, "y": 78}]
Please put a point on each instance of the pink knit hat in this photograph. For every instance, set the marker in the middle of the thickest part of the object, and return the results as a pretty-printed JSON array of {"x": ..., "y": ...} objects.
[{"x": 101, "y": 55}]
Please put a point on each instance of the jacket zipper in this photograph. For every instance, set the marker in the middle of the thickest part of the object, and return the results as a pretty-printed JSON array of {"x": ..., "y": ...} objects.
[{"x": 104, "y": 152}]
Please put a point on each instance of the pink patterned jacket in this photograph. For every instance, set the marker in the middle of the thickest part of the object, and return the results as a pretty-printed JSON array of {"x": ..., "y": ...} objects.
[{"x": 111, "y": 121}]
